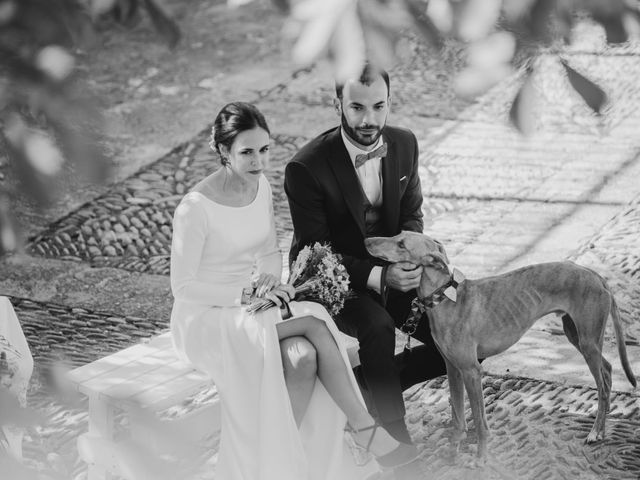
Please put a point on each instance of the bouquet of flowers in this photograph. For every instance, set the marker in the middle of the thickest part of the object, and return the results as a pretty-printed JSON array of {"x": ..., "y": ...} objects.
[{"x": 317, "y": 275}]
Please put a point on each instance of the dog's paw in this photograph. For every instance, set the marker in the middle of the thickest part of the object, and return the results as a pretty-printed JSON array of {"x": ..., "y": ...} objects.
[
  {"x": 594, "y": 436},
  {"x": 457, "y": 436},
  {"x": 480, "y": 461}
]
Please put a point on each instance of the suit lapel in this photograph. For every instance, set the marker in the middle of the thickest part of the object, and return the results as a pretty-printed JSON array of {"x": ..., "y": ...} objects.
[
  {"x": 390, "y": 186},
  {"x": 347, "y": 179}
]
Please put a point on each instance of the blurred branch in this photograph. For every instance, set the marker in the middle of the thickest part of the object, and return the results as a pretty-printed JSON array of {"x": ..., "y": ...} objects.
[
  {"x": 424, "y": 23},
  {"x": 500, "y": 36},
  {"x": 165, "y": 26},
  {"x": 44, "y": 123}
]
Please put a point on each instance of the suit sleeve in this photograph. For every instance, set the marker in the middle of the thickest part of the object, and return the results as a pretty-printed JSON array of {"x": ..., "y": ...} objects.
[
  {"x": 307, "y": 207},
  {"x": 411, "y": 201}
]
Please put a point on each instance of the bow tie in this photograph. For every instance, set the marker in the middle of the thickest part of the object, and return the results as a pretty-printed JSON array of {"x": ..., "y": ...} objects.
[{"x": 362, "y": 158}]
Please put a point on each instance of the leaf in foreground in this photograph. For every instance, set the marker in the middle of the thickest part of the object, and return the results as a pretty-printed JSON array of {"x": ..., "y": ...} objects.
[{"x": 592, "y": 94}]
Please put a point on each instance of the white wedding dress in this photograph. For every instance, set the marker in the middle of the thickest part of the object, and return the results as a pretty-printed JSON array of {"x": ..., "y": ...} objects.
[{"x": 214, "y": 251}]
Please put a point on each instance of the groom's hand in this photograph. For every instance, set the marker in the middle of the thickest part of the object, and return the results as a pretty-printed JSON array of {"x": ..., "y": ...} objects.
[{"x": 403, "y": 276}]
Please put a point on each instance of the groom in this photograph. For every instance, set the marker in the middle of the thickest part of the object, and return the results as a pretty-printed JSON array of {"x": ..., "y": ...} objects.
[{"x": 359, "y": 180}]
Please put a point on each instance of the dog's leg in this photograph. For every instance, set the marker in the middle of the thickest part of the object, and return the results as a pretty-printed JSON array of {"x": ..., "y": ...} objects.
[
  {"x": 456, "y": 399},
  {"x": 570, "y": 331},
  {"x": 472, "y": 377},
  {"x": 569, "y": 328},
  {"x": 606, "y": 377},
  {"x": 589, "y": 322},
  {"x": 593, "y": 356},
  {"x": 589, "y": 319}
]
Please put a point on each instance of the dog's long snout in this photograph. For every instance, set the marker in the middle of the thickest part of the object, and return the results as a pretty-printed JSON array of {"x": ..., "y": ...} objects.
[
  {"x": 412, "y": 247},
  {"x": 374, "y": 245},
  {"x": 385, "y": 248}
]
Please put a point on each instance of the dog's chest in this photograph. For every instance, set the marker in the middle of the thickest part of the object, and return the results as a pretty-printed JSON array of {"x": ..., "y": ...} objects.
[{"x": 446, "y": 324}]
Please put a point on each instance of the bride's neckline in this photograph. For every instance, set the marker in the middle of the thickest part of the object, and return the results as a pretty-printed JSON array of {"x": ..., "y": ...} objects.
[{"x": 216, "y": 202}]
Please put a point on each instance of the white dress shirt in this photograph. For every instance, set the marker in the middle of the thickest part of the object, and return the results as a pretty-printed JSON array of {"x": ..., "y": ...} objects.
[{"x": 370, "y": 177}]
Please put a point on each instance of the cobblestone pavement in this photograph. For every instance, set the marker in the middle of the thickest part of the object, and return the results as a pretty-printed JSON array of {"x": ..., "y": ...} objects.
[
  {"x": 489, "y": 195},
  {"x": 527, "y": 417},
  {"x": 130, "y": 226},
  {"x": 492, "y": 179},
  {"x": 62, "y": 337},
  {"x": 479, "y": 182},
  {"x": 611, "y": 253},
  {"x": 538, "y": 431}
]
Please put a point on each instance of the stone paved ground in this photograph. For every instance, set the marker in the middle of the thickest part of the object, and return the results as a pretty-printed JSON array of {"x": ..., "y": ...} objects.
[
  {"x": 538, "y": 432},
  {"x": 94, "y": 279}
]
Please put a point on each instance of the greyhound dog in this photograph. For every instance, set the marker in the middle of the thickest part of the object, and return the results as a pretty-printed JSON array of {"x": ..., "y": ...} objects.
[{"x": 473, "y": 319}]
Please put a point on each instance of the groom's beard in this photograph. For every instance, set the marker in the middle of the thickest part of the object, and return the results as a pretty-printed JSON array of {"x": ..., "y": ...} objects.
[{"x": 354, "y": 134}]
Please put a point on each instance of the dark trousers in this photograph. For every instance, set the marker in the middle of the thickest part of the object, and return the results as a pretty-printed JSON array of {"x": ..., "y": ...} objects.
[{"x": 384, "y": 374}]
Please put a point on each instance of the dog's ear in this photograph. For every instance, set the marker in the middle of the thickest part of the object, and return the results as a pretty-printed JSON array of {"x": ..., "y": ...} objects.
[
  {"x": 441, "y": 250},
  {"x": 437, "y": 260}
]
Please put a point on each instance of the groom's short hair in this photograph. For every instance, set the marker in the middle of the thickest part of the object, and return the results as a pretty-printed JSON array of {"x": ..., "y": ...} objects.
[{"x": 367, "y": 77}]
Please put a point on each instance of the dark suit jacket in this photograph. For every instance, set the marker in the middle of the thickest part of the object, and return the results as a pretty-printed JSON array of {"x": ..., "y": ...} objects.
[{"x": 327, "y": 204}]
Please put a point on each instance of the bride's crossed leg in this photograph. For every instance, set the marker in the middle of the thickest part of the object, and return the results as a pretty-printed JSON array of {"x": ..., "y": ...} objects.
[
  {"x": 331, "y": 371},
  {"x": 300, "y": 373}
]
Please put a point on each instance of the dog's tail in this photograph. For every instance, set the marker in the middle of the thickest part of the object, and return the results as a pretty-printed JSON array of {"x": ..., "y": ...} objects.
[{"x": 622, "y": 349}]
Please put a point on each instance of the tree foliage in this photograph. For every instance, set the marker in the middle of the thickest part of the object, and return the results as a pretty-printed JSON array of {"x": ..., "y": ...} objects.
[
  {"x": 45, "y": 122},
  {"x": 500, "y": 36},
  {"x": 44, "y": 119}
]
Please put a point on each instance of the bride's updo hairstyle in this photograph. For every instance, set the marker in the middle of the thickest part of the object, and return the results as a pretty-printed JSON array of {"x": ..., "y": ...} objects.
[{"x": 233, "y": 119}]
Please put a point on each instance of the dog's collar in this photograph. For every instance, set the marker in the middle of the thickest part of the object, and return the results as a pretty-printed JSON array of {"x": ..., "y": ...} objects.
[
  {"x": 448, "y": 290},
  {"x": 419, "y": 305}
]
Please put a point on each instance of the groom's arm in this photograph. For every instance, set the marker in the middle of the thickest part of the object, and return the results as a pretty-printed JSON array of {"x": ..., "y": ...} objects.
[
  {"x": 310, "y": 224},
  {"x": 411, "y": 200}
]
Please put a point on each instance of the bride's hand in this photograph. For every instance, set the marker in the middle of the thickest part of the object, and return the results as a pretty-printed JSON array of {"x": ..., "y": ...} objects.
[
  {"x": 283, "y": 293},
  {"x": 264, "y": 283}
]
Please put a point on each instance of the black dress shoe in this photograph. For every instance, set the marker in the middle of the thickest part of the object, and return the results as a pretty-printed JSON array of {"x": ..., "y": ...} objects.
[{"x": 398, "y": 430}]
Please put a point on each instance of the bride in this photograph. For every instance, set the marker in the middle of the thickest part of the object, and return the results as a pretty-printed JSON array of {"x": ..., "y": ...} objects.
[{"x": 278, "y": 421}]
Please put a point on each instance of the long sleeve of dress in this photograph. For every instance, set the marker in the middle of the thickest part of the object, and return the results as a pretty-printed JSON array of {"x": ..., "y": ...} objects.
[
  {"x": 189, "y": 234},
  {"x": 269, "y": 258}
]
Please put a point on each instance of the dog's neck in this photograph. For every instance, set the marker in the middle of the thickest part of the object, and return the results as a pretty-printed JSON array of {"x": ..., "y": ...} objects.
[
  {"x": 440, "y": 284},
  {"x": 432, "y": 279}
]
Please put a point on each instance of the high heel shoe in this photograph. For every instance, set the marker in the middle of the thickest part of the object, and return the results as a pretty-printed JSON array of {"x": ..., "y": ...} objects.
[{"x": 403, "y": 454}]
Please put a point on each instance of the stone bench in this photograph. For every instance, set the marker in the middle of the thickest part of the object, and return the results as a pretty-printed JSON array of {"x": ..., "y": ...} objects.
[{"x": 139, "y": 382}]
